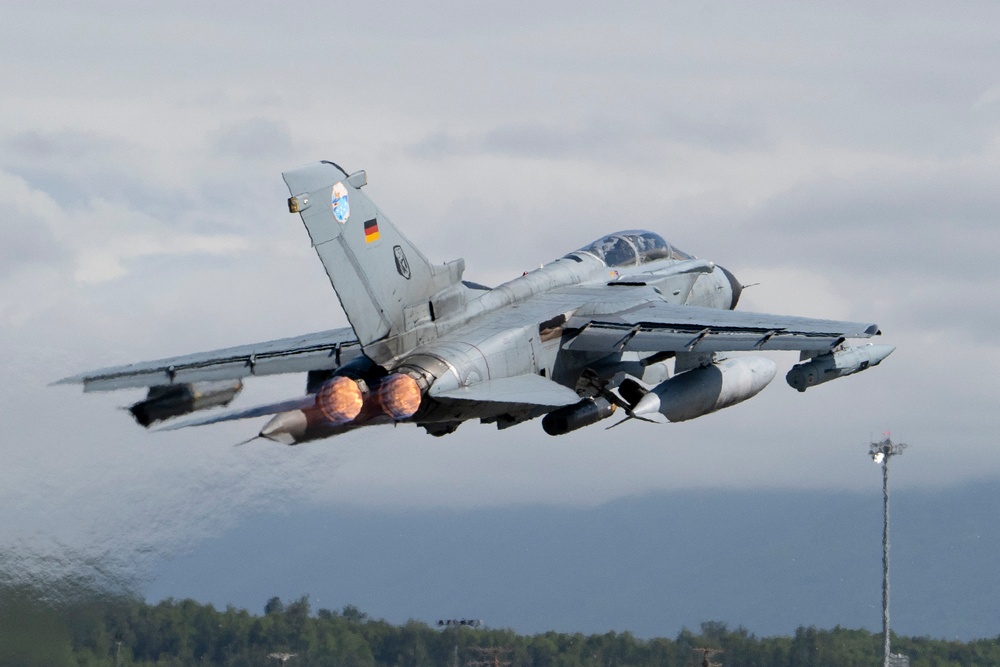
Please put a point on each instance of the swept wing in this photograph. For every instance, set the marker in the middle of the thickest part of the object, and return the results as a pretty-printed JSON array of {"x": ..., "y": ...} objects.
[
  {"x": 324, "y": 350},
  {"x": 657, "y": 326}
]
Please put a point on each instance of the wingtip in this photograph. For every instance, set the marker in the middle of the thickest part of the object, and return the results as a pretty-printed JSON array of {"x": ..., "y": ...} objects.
[{"x": 74, "y": 379}]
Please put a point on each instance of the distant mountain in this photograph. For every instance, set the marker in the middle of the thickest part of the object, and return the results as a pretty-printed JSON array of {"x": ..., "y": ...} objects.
[{"x": 768, "y": 560}]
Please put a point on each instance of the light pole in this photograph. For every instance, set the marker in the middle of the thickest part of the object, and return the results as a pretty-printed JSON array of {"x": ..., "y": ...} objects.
[{"x": 881, "y": 452}]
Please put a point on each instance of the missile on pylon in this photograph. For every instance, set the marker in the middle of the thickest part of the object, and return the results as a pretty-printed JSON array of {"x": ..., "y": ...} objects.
[
  {"x": 586, "y": 412},
  {"x": 836, "y": 364},
  {"x": 286, "y": 428},
  {"x": 704, "y": 390},
  {"x": 166, "y": 401},
  {"x": 295, "y": 427}
]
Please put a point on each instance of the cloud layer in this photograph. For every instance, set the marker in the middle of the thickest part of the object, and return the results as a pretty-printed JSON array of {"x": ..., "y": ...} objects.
[{"x": 844, "y": 157}]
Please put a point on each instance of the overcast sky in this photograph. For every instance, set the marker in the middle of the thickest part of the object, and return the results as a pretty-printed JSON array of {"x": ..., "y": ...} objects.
[{"x": 844, "y": 157}]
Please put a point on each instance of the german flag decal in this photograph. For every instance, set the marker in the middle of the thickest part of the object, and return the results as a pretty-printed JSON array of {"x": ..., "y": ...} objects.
[{"x": 371, "y": 230}]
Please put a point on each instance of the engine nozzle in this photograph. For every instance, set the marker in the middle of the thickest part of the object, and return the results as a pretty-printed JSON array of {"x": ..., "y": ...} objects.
[
  {"x": 340, "y": 400},
  {"x": 399, "y": 396}
]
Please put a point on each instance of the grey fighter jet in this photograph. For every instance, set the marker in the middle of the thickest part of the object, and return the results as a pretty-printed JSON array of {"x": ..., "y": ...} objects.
[{"x": 626, "y": 323}]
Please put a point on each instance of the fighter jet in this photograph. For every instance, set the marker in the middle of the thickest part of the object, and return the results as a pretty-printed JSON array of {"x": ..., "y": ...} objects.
[{"x": 628, "y": 322}]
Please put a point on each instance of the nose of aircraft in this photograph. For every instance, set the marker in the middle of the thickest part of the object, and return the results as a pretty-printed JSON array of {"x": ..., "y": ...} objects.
[{"x": 735, "y": 284}]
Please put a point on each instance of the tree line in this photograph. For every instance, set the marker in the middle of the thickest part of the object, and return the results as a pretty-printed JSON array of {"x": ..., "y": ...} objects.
[{"x": 99, "y": 630}]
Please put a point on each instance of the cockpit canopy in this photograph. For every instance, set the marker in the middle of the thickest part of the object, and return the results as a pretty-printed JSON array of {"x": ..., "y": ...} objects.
[{"x": 632, "y": 247}]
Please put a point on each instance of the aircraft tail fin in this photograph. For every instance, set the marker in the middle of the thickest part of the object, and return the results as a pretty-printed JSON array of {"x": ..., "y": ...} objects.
[{"x": 385, "y": 285}]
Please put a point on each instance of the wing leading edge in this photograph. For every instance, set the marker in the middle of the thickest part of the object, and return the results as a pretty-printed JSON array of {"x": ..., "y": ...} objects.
[
  {"x": 323, "y": 350},
  {"x": 658, "y": 326}
]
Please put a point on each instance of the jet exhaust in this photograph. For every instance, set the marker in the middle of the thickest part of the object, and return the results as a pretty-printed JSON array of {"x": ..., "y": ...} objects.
[
  {"x": 399, "y": 396},
  {"x": 361, "y": 390},
  {"x": 846, "y": 361},
  {"x": 340, "y": 399},
  {"x": 344, "y": 403}
]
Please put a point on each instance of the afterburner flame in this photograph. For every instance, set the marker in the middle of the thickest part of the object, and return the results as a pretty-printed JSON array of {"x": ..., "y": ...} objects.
[
  {"x": 399, "y": 396},
  {"x": 340, "y": 400}
]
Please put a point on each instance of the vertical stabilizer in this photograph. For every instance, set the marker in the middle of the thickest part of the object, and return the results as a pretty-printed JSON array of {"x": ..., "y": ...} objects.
[{"x": 384, "y": 283}]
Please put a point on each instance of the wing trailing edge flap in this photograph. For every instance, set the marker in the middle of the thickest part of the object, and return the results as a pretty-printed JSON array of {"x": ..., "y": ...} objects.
[
  {"x": 317, "y": 351},
  {"x": 520, "y": 389},
  {"x": 664, "y": 327}
]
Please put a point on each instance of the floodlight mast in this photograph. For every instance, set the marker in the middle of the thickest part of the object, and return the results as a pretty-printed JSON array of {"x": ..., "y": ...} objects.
[{"x": 881, "y": 452}]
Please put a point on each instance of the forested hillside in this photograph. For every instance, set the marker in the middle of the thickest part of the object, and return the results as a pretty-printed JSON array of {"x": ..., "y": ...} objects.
[{"x": 100, "y": 629}]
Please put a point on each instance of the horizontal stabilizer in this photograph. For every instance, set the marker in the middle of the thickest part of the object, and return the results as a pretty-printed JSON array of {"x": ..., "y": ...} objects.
[{"x": 521, "y": 389}]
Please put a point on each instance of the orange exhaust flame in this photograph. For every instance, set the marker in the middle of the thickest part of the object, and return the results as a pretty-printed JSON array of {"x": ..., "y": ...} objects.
[
  {"x": 340, "y": 400},
  {"x": 399, "y": 396}
]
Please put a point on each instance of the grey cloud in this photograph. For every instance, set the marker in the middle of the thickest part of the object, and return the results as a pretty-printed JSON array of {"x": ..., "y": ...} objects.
[
  {"x": 622, "y": 140},
  {"x": 966, "y": 198},
  {"x": 65, "y": 151},
  {"x": 74, "y": 166},
  {"x": 24, "y": 240},
  {"x": 61, "y": 145},
  {"x": 957, "y": 310},
  {"x": 714, "y": 133},
  {"x": 529, "y": 139},
  {"x": 439, "y": 144},
  {"x": 253, "y": 139},
  {"x": 928, "y": 223}
]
